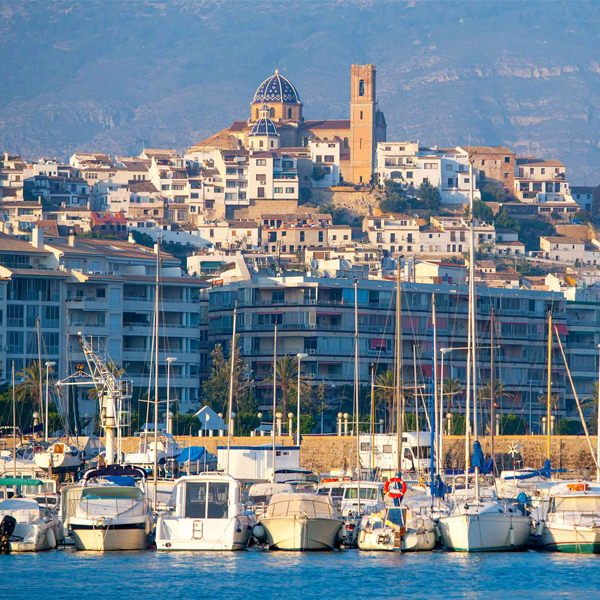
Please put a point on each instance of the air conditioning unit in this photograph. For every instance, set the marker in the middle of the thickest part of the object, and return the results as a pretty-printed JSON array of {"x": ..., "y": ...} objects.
[{"x": 312, "y": 325}]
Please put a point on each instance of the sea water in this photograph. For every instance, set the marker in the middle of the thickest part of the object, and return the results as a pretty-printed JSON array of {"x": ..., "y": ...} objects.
[{"x": 265, "y": 575}]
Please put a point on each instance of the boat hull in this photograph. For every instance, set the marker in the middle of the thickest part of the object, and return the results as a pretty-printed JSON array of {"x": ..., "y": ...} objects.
[
  {"x": 204, "y": 534},
  {"x": 485, "y": 532},
  {"x": 36, "y": 538},
  {"x": 570, "y": 539},
  {"x": 301, "y": 533},
  {"x": 107, "y": 538}
]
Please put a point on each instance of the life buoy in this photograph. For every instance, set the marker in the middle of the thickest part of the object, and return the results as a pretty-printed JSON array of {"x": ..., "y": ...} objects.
[{"x": 400, "y": 483}]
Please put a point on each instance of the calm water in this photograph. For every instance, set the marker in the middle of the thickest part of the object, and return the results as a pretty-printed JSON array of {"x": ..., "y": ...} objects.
[{"x": 256, "y": 574}]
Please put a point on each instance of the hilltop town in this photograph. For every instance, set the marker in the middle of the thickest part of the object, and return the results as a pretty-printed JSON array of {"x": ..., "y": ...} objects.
[{"x": 279, "y": 214}]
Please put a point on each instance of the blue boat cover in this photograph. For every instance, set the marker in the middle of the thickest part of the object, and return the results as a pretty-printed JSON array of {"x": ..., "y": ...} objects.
[
  {"x": 195, "y": 453},
  {"x": 439, "y": 488},
  {"x": 123, "y": 480},
  {"x": 478, "y": 460}
]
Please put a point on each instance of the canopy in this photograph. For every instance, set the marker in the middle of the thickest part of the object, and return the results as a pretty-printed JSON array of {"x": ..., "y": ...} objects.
[
  {"x": 20, "y": 481},
  {"x": 115, "y": 471}
]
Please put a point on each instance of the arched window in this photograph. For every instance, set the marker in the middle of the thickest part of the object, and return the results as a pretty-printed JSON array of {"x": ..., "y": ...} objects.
[
  {"x": 257, "y": 113},
  {"x": 260, "y": 143},
  {"x": 305, "y": 142},
  {"x": 345, "y": 142},
  {"x": 326, "y": 139},
  {"x": 361, "y": 115},
  {"x": 272, "y": 113},
  {"x": 272, "y": 143},
  {"x": 361, "y": 87},
  {"x": 289, "y": 113}
]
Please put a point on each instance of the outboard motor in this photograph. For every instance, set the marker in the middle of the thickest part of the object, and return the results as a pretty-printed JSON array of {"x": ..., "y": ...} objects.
[{"x": 7, "y": 528}]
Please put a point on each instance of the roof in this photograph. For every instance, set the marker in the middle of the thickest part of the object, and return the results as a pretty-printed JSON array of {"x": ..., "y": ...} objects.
[
  {"x": 487, "y": 149},
  {"x": 327, "y": 124},
  {"x": 107, "y": 217},
  {"x": 560, "y": 240},
  {"x": 10, "y": 243},
  {"x": 538, "y": 162},
  {"x": 264, "y": 126},
  {"x": 159, "y": 151},
  {"x": 276, "y": 88},
  {"x": 576, "y": 189},
  {"x": 142, "y": 186}
]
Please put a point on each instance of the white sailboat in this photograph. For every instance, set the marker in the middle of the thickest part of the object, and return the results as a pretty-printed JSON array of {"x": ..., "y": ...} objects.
[
  {"x": 479, "y": 524},
  {"x": 58, "y": 458},
  {"x": 166, "y": 449}
]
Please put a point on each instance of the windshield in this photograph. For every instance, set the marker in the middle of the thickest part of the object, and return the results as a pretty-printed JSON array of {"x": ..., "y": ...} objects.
[
  {"x": 334, "y": 492},
  {"x": 365, "y": 493},
  {"x": 111, "y": 492},
  {"x": 300, "y": 508},
  {"x": 582, "y": 504}
]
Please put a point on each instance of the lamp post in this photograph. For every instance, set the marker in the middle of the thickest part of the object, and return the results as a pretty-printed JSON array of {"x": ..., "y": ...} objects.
[
  {"x": 339, "y": 423},
  {"x": 291, "y": 424},
  {"x": 170, "y": 359},
  {"x": 48, "y": 365},
  {"x": 300, "y": 356},
  {"x": 598, "y": 426},
  {"x": 346, "y": 415},
  {"x": 260, "y": 416}
]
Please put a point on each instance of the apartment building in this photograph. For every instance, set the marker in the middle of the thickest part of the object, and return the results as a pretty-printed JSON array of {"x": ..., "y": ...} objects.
[
  {"x": 541, "y": 181},
  {"x": 584, "y": 197},
  {"x": 93, "y": 167},
  {"x": 169, "y": 176},
  {"x": 570, "y": 250},
  {"x": 11, "y": 176},
  {"x": 394, "y": 233},
  {"x": 325, "y": 156},
  {"x": 273, "y": 175},
  {"x": 315, "y": 316}
]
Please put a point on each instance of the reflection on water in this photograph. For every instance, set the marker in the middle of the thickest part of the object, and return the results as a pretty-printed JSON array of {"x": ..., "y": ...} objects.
[{"x": 264, "y": 575}]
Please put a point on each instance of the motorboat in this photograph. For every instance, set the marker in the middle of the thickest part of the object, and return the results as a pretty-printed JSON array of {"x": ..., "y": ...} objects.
[
  {"x": 206, "y": 514},
  {"x": 107, "y": 511},
  {"x": 572, "y": 521},
  {"x": 301, "y": 522},
  {"x": 485, "y": 525},
  {"x": 24, "y": 525},
  {"x": 166, "y": 449},
  {"x": 59, "y": 457},
  {"x": 371, "y": 494},
  {"x": 396, "y": 529},
  {"x": 260, "y": 494},
  {"x": 21, "y": 465}
]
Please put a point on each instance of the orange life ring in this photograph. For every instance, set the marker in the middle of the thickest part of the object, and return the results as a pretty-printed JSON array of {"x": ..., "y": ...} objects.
[{"x": 400, "y": 493}]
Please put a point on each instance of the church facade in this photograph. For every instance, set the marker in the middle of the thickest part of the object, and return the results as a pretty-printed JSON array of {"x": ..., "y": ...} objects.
[{"x": 277, "y": 122}]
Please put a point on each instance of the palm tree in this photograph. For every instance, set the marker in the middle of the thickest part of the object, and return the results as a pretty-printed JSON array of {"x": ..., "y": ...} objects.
[
  {"x": 451, "y": 388},
  {"x": 287, "y": 379},
  {"x": 29, "y": 387},
  {"x": 499, "y": 391},
  {"x": 384, "y": 390},
  {"x": 591, "y": 400}
]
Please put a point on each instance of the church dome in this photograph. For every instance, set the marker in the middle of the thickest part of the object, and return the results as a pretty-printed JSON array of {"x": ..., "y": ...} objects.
[
  {"x": 264, "y": 127},
  {"x": 276, "y": 89}
]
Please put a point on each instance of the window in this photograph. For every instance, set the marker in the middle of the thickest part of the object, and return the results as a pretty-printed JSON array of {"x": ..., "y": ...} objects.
[
  {"x": 261, "y": 162},
  {"x": 361, "y": 115},
  {"x": 15, "y": 315},
  {"x": 289, "y": 113},
  {"x": 302, "y": 236},
  {"x": 361, "y": 88},
  {"x": 360, "y": 143},
  {"x": 321, "y": 236},
  {"x": 506, "y": 175},
  {"x": 272, "y": 112},
  {"x": 345, "y": 142},
  {"x": 507, "y": 159},
  {"x": 278, "y": 190},
  {"x": 256, "y": 114},
  {"x": 409, "y": 175},
  {"x": 329, "y": 159},
  {"x": 260, "y": 192},
  {"x": 32, "y": 315},
  {"x": 289, "y": 190},
  {"x": 305, "y": 142},
  {"x": 15, "y": 342},
  {"x": 261, "y": 177}
]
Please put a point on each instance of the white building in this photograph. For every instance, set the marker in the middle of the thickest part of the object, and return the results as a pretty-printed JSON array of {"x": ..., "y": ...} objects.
[
  {"x": 325, "y": 157},
  {"x": 272, "y": 175},
  {"x": 570, "y": 250}
]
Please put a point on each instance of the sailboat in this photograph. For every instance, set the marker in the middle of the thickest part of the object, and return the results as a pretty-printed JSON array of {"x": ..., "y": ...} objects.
[{"x": 479, "y": 524}]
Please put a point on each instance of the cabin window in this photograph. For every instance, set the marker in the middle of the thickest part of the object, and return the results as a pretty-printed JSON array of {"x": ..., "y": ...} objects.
[{"x": 202, "y": 505}]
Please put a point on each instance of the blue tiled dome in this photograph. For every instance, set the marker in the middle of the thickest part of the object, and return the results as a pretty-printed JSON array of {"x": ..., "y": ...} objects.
[
  {"x": 264, "y": 126},
  {"x": 276, "y": 89}
]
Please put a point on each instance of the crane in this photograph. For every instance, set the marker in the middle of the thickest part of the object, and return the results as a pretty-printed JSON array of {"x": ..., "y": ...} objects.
[{"x": 113, "y": 390}]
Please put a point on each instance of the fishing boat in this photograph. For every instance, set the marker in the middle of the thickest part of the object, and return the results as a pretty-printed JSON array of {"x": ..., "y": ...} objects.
[
  {"x": 300, "y": 522},
  {"x": 207, "y": 514},
  {"x": 572, "y": 521},
  {"x": 397, "y": 529},
  {"x": 108, "y": 511},
  {"x": 24, "y": 524},
  {"x": 58, "y": 458}
]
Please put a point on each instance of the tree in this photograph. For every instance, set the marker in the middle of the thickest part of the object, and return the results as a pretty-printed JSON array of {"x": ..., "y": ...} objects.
[
  {"x": 385, "y": 393},
  {"x": 143, "y": 239},
  {"x": 287, "y": 380},
  {"x": 481, "y": 211},
  {"x": 29, "y": 388},
  {"x": 492, "y": 192},
  {"x": 569, "y": 427},
  {"x": 318, "y": 173},
  {"x": 584, "y": 216},
  {"x": 305, "y": 195},
  {"x": 452, "y": 388},
  {"x": 512, "y": 425},
  {"x": 393, "y": 203},
  {"x": 216, "y": 388},
  {"x": 484, "y": 392},
  {"x": 429, "y": 196},
  {"x": 505, "y": 221},
  {"x": 591, "y": 401}
]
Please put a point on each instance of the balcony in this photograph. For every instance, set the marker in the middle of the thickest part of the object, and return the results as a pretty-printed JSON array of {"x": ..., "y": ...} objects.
[
  {"x": 134, "y": 303},
  {"x": 87, "y": 303},
  {"x": 88, "y": 328}
]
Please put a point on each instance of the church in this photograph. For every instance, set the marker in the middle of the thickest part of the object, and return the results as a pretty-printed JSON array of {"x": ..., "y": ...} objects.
[{"x": 276, "y": 121}]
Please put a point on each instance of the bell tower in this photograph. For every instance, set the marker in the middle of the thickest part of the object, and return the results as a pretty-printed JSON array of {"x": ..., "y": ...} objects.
[{"x": 363, "y": 122}]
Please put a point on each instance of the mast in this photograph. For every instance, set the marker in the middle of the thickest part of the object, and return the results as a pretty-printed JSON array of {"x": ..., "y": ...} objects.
[
  {"x": 436, "y": 416},
  {"x": 274, "y": 397},
  {"x": 492, "y": 389},
  {"x": 469, "y": 350},
  {"x": 356, "y": 384},
  {"x": 398, "y": 378},
  {"x": 67, "y": 372},
  {"x": 39, "y": 342},
  {"x": 14, "y": 407},
  {"x": 230, "y": 409},
  {"x": 156, "y": 334},
  {"x": 372, "y": 418},
  {"x": 472, "y": 326},
  {"x": 416, "y": 405},
  {"x": 549, "y": 397}
]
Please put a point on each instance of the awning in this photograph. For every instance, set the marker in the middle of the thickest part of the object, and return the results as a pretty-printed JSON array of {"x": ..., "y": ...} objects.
[
  {"x": 271, "y": 312},
  {"x": 561, "y": 329},
  {"x": 325, "y": 313},
  {"x": 214, "y": 317}
]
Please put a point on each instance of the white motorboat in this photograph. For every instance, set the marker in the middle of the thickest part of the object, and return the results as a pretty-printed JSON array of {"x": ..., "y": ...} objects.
[
  {"x": 572, "y": 521},
  {"x": 397, "y": 529},
  {"x": 372, "y": 499},
  {"x": 108, "y": 511},
  {"x": 21, "y": 465},
  {"x": 485, "y": 525},
  {"x": 260, "y": 494},
  {"x": 207, "y": 514},
  {"x": 58, "y": 458},
  {"x": 301, "y": 522},
  {"x": 166, "y": 449},
  {"x": 24, "y": 525}
]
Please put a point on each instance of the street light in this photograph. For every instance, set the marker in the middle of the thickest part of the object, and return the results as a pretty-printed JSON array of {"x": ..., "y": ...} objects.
[
  {"x": 300, "y": 356},
  {"x": 48, "y": 365},
  {"x": 170, "y": 359}
]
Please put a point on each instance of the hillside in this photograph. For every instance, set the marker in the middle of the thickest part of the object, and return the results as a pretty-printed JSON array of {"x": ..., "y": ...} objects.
[{"x": 107, "y": 75}]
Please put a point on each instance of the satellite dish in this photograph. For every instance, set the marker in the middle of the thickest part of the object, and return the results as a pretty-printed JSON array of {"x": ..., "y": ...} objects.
[
  {"x": 314, "y": 264},
  {"x": 345, "y": 264},
  {"x": 416, "y": 216}
]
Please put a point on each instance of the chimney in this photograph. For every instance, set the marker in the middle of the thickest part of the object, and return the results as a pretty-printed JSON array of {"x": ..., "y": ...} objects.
[
  {"x": 72, "y": 239},
  {"x": 130, "y": 238},
  {"x": 6, "y": 155},
  {"x": 37, "y": 237}
]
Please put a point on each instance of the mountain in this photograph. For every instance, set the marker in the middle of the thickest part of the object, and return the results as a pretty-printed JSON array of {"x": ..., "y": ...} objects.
[{"x": 111, "y": 76}]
